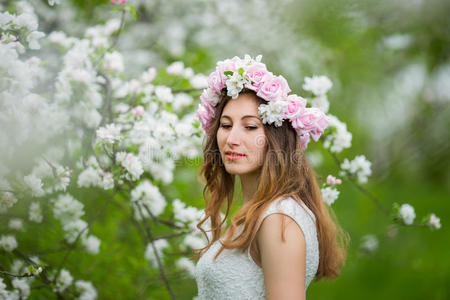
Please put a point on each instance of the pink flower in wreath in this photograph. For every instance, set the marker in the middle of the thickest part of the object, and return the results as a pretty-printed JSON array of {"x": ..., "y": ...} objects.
[
  {"x": 312, "y": 121},
  {"x": 205, "y": 113},
  {"x": 256, "y": 73},
  {"x": 216, "y": 82},
  {"x": 273, "y": 88},
  {"x": 227, "y": 65},
  {"x": 296, "y": 106}
]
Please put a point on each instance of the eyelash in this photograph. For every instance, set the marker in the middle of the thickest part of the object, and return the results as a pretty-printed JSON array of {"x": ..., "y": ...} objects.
[{"x": 226, "y": 126}]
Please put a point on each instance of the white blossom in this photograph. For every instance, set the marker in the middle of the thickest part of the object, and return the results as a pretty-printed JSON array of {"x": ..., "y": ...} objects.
[
  {"x": 194, "y": 241},
  {"x": 62, "y": 178},
  {"x": 188, "y": 73},
  {"x": 406, "y": 212},
  {"x": 113, "y": 61},
  {"x": 273, "y": 112},
  {"x": 109, "y": 133},
  {"x": 87, "y": 290},
  {"x": 164, "y": 94},
  {"x": 8, "y": 242},
  {"x": 359, "y": 166},
  {"x": 15, "y": 224},
  {"x": 17, "y": 266},
  {"x": 53, "y": 2},
  {"x": 199, "y": 81},
  {"x": 89, "y": 177},
  {"x": 180, "y": 101},
  {"x": 369, "y": 243},
  {"x": 162, "y": 170},
  {"x": 186, "y": 264},
  {"x": 22, "y": 286},
  {"x": 321, "y": 102},
  {"x": 397, "y": 41},
  {"x": 148, "y": 75},
  {"x": 185, "y": 214},
  {"x": 27, "y": 21},
  {"x": 92, "y": 244},
  {"x": 35, "y": 212},
  {"x": 131, "y": 163},
  {"x": 33, "y": 38},
  {"x": 4, "y": 294},
  {"x": 7, "y": 200},
  {"x": 34, "y": 184},
  {"x": 66, "y": 208},
  {"x": 164, "y": 133},
  {"x": 341, "y": 138},
  {"x": 434, "y": 222},
  {"x": 318, "y": 85},
  {"x": 235, "y": 84},
  {"x": 147, "y": 196},
  {"x": 73, "y": 228},
  {"x": 107, "y": 181},
  {"x": 176, "y": 68},
  {"x": 329, "y": 195},
  {"x": 63, "y": 281}
]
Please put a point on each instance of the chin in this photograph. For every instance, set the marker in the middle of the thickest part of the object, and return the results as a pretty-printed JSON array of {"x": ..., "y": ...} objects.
[{"x": 238, "y": 170}]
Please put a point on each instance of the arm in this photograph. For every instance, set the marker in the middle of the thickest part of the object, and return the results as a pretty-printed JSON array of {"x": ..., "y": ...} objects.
[{"x": 283, "y": 263}]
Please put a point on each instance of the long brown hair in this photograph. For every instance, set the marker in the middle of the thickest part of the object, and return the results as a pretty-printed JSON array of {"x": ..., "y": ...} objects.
[{"x": 285, "y": 173}]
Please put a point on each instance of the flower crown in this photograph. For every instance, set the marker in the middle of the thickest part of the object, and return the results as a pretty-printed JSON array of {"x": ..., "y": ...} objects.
[{"x": 235, "y": 74}]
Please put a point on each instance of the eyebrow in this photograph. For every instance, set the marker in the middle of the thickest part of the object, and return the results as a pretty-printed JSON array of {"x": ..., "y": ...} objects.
[{"x": 244, "y": 117}]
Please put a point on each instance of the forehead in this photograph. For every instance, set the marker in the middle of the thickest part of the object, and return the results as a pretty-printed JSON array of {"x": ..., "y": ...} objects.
[{"x": 243, "y": 105}]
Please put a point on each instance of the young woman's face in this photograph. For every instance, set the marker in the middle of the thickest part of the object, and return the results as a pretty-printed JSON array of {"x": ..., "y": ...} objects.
[{"x": 240, "y": 137}]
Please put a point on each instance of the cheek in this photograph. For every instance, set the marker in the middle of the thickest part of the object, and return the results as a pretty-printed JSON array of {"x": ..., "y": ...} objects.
[{"x": 220, "y": 139}]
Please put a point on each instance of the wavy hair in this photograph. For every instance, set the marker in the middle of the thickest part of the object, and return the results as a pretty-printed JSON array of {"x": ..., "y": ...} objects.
[{"x": 285, "y": 173}]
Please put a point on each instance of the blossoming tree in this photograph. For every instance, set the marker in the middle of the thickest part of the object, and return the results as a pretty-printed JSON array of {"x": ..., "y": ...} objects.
[{"x": 77, "y": 129}]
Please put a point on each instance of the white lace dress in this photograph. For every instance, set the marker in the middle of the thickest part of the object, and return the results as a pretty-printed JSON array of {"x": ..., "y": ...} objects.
[{"x": 234, "y": 275}]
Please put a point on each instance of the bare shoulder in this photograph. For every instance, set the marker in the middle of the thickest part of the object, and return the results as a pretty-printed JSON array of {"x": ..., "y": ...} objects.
[
  {"x": 283, "y": 261},
  {"x": 276, "y": 225}
]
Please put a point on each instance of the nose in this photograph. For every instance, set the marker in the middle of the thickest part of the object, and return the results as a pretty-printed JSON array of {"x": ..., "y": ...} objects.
[{"x": 233, "y": 138}]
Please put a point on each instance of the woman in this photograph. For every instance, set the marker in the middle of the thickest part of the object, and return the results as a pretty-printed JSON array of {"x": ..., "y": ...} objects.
[{"x": 257, "y": 131}]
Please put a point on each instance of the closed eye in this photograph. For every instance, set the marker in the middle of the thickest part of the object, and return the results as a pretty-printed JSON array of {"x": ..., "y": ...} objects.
[{"x": 226, "y": 126}]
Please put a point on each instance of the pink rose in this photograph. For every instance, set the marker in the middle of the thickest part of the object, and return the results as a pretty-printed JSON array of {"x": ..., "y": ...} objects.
[
  {"x": 216, "y": 82},
  {"x": 205, "y": 113},
  {"x": 296, "y": 106},
  {"x": 227, "y": 65},
  {"x": 256, "y": 74},
  {"x": 118, "y": 1},
  {"x": 312, "y": 121},
  {"x": 321, "y": 123},
  {"x": 273, "y": 88},
  {"x": 209, "y": 106},
  {"x": 208, "y": 95}
]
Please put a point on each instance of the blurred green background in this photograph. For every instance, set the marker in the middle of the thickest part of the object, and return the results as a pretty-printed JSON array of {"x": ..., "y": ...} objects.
[{"x": 389, "y": 63}]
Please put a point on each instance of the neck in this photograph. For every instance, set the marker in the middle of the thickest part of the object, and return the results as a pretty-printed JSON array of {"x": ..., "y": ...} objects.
[{"x": 249, "y": 183}]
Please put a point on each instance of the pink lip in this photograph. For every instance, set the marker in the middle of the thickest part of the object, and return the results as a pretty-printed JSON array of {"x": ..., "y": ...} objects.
[
  {"x": 234, "y": 157},
  {"x": 231, "y": 155}
]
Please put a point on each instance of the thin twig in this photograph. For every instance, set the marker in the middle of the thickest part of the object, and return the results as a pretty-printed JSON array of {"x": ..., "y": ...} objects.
[
  {"x": 155, "y": 251},
  {"x": 172, "y": 235},
  {"x": 116, "y": 39},
  {"x": 362, "y": 189},
  {"x": 15, "y": 275},
  {"x": 185, "y": 90}
]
